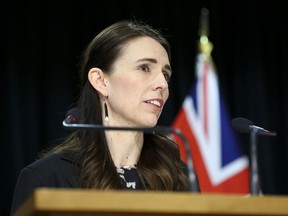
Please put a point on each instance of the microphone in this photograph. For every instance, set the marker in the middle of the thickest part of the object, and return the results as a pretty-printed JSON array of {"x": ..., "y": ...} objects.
[
  {"x": 246, "y": 126},
  {"x": 73, "y": 117}
]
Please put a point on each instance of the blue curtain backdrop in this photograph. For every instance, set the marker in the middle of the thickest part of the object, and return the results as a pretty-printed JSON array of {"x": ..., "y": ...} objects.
[{"x": 43, "y": 40}]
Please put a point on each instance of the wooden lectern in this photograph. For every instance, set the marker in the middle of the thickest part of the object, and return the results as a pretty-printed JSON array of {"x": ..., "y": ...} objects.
[{"x": 62, "y": 202}]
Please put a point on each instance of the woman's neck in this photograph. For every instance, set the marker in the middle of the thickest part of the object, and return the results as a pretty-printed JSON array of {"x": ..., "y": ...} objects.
[{"x": 125, "y": 147}]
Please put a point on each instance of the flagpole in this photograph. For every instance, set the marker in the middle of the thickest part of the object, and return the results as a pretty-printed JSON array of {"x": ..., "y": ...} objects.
[{"x": 205, "y": 46}]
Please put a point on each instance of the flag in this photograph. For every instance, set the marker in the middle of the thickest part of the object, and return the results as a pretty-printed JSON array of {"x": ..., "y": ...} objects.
[{"x": 220, "y": 165}]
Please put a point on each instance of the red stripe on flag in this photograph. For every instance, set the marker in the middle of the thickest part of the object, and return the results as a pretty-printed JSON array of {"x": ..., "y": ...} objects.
[{"x": 205, "y": 98}]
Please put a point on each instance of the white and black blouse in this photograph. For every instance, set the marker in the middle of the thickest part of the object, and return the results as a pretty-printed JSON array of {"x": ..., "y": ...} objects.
[{"x": 129, "y": 177}]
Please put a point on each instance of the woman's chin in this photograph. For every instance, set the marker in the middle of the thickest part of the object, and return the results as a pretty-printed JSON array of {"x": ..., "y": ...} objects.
[{"x": 151, "y": 123}]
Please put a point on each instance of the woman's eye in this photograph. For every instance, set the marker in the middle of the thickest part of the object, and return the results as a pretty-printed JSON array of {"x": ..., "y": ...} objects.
[
  {"x": 167, "y": 77},
  {"x": 144, "y": 68}
]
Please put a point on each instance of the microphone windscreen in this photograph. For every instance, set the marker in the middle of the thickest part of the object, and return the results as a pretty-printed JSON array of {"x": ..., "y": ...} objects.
[
  {"x": 74, "y": 115},
  {"x": 241, "y": 124}
]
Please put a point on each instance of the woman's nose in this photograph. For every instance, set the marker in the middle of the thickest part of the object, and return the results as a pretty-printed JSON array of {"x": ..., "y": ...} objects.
[{"x": 161, "y": 82}]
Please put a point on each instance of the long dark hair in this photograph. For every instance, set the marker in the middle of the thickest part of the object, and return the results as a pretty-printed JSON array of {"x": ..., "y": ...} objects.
[{"x": 159, "y": 166}]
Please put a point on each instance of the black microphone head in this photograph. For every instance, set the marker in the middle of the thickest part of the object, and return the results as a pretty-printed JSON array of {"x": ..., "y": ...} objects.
[
  {"x": 241, "y": 124},
  {"x": 73, "y": 115}
]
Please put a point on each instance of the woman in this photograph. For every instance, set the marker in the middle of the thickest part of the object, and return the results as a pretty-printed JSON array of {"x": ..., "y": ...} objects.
[{"x": 125, "y": 74}]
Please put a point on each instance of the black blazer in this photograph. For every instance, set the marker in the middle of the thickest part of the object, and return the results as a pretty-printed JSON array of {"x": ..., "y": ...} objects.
[{"x": 58, "y": 170}]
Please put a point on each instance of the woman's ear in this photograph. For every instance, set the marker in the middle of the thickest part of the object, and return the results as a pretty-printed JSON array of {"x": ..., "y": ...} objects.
[{"x": 97, "y": 80}]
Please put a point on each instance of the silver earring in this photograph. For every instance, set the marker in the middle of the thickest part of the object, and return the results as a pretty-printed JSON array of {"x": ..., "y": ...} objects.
[{"x": 106, "y": 112}]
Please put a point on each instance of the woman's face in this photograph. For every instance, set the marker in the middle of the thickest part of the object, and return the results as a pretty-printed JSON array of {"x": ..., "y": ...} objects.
[{"x": 137, "y": 87}]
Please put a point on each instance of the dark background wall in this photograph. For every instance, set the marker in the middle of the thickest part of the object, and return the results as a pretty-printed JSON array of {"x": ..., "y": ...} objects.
[{"x": 43, "y": 41}]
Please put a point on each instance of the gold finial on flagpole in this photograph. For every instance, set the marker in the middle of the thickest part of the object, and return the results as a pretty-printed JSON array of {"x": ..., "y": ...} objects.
[{"x": 205, "y": 46}]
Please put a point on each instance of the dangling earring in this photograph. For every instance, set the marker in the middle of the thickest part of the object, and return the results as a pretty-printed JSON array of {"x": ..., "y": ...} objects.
[{"x": 106, "y": 111}]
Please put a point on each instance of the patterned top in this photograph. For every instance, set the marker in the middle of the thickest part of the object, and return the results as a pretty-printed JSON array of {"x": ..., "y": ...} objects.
[{"x": 130, "y": 178}]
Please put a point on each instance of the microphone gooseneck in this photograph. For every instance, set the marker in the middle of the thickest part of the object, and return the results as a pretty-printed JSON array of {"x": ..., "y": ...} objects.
[{"x": 73, "y": 117}]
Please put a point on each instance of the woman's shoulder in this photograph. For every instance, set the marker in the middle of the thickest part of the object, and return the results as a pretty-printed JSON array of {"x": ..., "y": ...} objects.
[
  {"x": 55, "y": 170},
  {"x": 54, "y": 161},
  {"x": 52, "y": 170}
]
